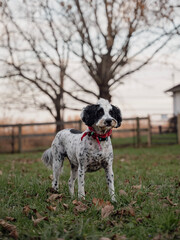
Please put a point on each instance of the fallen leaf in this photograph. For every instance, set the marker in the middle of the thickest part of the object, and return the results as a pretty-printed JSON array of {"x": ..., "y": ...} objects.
[
  {"x": 131, "y": 211},
  {"x": 76, "y": 202},
  {"x": 10, "y": 228},
  {"x": 26, "y": 210},
  {"x": 38, "y": 215},
  {"x": 1, "y": 173},
  {"x": 122, "y": 159},
  {"x": 99, "y": 203},
  {"x": 122, "y": 192},
  {"x": 51, "y": 208},
  {"x": 11, "y": 219},
  {"x": 54, "y": 197},
  {"x": 137, "y": 186},
  {"x": 66, "y": 206},
  {"x": 106, "y": 211},
  {"x": 80, "y": 207},
  {"x": 132, "y": 203},
  {"x": 38, "y": 220},
  {"x": 170, "y": 201},
  {"x": 125, "y": 212}
]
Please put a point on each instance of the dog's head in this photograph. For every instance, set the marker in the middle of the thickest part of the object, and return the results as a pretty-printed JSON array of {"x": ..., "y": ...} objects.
[{"x": 102, "y": 116}]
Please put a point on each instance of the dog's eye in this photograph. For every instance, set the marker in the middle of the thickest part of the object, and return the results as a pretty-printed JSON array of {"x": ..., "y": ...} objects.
[
  {"x": 111, "y": 113},
  {"x": 100, "y": 112}
]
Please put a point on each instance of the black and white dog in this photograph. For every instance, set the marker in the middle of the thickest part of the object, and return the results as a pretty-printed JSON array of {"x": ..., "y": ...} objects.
[{"x": 88, "y": 151}]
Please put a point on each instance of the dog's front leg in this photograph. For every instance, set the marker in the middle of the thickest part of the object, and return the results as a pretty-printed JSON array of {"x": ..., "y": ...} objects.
[
  {"x": 110, "y": 181},
  {"x": 81, "y": 173}
]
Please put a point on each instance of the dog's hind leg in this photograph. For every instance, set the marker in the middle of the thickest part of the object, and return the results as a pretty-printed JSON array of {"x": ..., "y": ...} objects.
[
  {"x": 58, "y": 159},
  {"x": 72, "y": 179}
]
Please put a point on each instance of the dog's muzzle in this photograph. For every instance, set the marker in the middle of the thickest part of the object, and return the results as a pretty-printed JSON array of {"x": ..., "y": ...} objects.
[{"x": 108, "y": 122}]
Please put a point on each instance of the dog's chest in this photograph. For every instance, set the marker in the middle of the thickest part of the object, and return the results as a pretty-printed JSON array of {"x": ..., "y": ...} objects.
[{"x": 95, "y": 161}]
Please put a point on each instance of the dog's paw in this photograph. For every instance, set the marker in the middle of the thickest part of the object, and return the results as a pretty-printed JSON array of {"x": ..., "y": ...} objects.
[
  {"x": 81, "y": 197},
  {"x": 113, "y": 199},
  {"x": 55, "y": 185}
]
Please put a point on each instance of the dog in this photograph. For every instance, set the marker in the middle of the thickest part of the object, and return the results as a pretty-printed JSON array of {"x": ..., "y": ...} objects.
[{"x": 88, "y": 151}]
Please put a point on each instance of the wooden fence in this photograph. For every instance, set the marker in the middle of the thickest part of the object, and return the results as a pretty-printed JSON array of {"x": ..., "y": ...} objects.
[{"x": 19, "y": 137}]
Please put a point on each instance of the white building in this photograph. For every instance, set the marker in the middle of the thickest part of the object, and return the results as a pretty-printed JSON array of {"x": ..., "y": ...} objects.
[{"x": 176, "y": 98}]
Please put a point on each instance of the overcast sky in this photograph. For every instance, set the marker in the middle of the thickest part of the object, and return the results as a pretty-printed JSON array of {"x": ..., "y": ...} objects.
[{"x": 141, "y": 94}]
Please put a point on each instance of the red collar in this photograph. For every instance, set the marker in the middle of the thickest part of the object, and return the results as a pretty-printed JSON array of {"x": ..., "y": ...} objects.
[{"x": 98, "y": 137}]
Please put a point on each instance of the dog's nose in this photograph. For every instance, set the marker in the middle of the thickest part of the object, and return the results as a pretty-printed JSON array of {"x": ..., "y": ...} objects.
[{"x": 108, "y": 121}]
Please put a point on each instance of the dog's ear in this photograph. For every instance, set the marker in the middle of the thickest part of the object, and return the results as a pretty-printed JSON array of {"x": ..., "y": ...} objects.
[
  {"x": 116, "y": 114},
  {"x": 88, "y": 115}
]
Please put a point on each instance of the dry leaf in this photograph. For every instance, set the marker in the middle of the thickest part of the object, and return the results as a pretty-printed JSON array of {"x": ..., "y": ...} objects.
[
  {"x": 54, "y": 197},
  {"x": 106, "y": 211},
  {"x": 10, "y": 228},
  {"x": 1, "y": 173},
  {"x": 137, "y": 186},
  {"x": 80, "y": 207},
  {"x": 76, "y": 202},
  {"x": 11, "y": 219},
  {"x": 131, "y": 211},
  {"x": 51, "y": 208},
  {"x": 38, "y": 220},
  {"x": 38, "y": 215},
  {"x": 170, "y": 201},
  {"x": 122, "y": 192},
  {"x": 66, "y": 206},
  {"x": 125, "y": 211},
  {"x": 26, "y": 210},
  {"x": 132, "y": 203},
  {"x": 99, "y": 203}
]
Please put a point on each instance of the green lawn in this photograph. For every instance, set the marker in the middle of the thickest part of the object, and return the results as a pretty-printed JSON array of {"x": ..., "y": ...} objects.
[{"x": 147, "y": 182}]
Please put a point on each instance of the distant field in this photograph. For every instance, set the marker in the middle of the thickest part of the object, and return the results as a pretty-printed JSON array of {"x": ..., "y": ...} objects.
[{"x": 147, "y": 182}]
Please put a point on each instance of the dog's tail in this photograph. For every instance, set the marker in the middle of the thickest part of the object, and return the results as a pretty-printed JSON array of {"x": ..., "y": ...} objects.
[{"x": 47, "y": 158}]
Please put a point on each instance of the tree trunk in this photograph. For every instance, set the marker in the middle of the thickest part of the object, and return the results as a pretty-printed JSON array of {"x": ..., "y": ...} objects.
[
  {"x": 104, "y": 92},
  {"x": 59, "y": 117}
]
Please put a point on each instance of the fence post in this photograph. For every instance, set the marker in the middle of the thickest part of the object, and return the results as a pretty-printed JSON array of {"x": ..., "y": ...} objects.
[
  {"x": 138, "y": 131},
  {"x": 149, "y": 140},
  {"x": 19, "y": 138},
  {"x": 13, "y": 138},
  {"x": 80, "y": 125},
  {"x": 178, "y": 128}
]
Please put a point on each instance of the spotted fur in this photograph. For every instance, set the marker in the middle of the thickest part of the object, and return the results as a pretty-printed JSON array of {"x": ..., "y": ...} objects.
[{"x": 84, "y": 155}]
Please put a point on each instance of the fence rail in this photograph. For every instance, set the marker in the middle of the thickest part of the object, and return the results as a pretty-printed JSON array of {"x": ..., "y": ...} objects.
[
  {"x": 19, "y": 136},
  {"x": 136, "y": 130}
]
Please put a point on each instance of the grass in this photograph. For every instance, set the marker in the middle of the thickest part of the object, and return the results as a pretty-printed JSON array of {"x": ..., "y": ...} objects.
[{"x": 147, "y": 209}]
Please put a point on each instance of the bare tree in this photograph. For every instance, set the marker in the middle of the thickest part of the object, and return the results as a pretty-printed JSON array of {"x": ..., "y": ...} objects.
[
  {"x": 111, "y": 39},
  {"x": 115, "y": 38},
  {"x": 34, "y": 57}
]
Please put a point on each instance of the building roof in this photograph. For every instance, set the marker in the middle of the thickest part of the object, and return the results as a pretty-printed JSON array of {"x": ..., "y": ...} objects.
[{"x": 174, "y": 89}]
